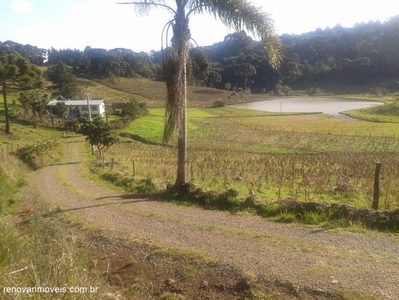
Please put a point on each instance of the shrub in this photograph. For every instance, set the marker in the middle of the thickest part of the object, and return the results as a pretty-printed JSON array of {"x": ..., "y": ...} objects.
[
  {"x": 379, "y": 91},
  {"x": 314, "y": 91},
  {"x": 218, "y": 103},
  {"x": 285, "y": 218}
]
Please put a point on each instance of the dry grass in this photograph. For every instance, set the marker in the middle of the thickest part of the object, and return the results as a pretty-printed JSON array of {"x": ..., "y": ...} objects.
[
  {"x": 153, "y": 93},
  {"x": 230, "y": 153},
  {"x": 336, "y": 178}
]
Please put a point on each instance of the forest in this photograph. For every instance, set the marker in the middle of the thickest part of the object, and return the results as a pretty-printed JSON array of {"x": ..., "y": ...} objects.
[{"x": 364, "y": 54}]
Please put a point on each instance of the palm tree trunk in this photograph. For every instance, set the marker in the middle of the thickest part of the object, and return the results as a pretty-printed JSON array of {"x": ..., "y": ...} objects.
[
  {"x": 181, "y": 177},
  {"x": 181, "y": 33}
]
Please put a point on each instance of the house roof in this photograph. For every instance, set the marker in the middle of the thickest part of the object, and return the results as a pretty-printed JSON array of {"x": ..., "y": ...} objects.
[{"x": 75, "y": 102}]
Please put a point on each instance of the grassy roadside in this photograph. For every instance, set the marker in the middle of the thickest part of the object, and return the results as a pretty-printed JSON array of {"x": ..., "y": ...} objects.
[{"x": 34, "y": 251}]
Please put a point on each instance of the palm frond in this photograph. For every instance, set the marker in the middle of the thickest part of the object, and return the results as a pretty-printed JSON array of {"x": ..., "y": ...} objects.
[
  {"x": 243, "y": 15},
  {"x": 143, "y": 7}
]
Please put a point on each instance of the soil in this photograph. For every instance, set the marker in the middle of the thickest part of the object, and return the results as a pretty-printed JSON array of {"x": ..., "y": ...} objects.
[{"x": 245, "y": 256}]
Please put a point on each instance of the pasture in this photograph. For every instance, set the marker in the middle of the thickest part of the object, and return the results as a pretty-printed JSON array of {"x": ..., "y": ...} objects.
[{"x": 310, "y": 157}]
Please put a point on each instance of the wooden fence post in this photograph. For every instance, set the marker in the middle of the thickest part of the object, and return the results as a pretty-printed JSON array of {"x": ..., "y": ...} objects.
[
  {"x": 376, "y": 197},
  {"x": 134, "y": 168}
]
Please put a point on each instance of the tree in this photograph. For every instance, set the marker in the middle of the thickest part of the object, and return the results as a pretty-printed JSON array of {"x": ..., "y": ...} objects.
[
  {"x": 212, "y": 78},
  {"x": 244, "y": 71},
  {"x": 16, "y": 73},
  {"x": 33, "y": 54},
  {"x": 134, "y": 110},
  {"x": 60, "y": 110},
  {"x": 237, "y": 14},
  {"x": 64, "y": 81},
  {"x": 98, "y": 133},
  {"x": 34, "y": 101}
]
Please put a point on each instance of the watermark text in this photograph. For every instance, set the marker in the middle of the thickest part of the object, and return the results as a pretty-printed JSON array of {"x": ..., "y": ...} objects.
[{"x": 49, "y": 289}]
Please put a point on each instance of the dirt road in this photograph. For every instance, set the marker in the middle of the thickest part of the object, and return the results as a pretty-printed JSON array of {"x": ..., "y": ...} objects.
[{"x": 330, "y": 260}]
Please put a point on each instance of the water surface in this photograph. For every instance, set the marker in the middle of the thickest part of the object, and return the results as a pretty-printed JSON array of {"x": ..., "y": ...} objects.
[{"x": 329, "y": 106}]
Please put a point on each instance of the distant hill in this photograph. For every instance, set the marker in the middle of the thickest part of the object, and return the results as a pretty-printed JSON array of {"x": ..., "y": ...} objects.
[{"x": 366, "y": 54}]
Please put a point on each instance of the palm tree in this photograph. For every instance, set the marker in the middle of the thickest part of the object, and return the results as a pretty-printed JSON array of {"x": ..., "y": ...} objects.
[{"x": 237, "y": 14}]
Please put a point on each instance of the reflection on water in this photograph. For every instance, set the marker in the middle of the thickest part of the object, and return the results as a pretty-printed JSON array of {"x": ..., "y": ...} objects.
[{"x": 329, "y": 106}]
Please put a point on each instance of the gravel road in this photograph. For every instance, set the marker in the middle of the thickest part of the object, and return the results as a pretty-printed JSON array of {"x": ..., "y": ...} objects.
[{"x": 329, "y": 260}]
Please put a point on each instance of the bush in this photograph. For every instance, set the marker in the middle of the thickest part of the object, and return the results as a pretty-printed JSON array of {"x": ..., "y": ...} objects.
[
  {"x": 286, "y": 90},
  {"x": 379, "y": 91},
  {"x": 218, "y": 103},
  {"x": 129, "y": 184},
  {"x": 314, "y": 91}
]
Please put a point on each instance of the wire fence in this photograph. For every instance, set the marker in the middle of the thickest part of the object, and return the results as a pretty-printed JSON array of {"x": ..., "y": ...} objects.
[{"x": 314, "y": 130}]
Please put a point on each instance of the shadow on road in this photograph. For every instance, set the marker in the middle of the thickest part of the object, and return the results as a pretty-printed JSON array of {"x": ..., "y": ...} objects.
[
  {"x": 66, "y": 163},
  {"x": 59, "y": 211},
  {"x": 148, "y": 197}
]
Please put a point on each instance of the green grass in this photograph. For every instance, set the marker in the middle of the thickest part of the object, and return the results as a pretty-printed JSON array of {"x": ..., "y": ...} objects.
[
  {"x": 388, "y": 113},
  {"x": 237, "y": 113},
  {"x": 322, "y": 124},
  {"x": 150, "y": 128},
  {"x": 7, "y": 191},
  {"x": 351, "y": 93}
]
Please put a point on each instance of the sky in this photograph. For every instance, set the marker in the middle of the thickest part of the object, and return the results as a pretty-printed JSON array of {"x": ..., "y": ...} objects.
[{"x": 75, "y": 24}]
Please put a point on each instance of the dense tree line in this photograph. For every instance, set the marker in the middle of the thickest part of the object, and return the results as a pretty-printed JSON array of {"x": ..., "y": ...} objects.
[
  {"x": 33, "y": 54},
  {"x": 367, "y": 52},
  {"x": 112, "y": 63}
]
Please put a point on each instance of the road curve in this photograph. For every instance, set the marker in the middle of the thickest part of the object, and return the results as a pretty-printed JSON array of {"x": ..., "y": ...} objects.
[{"x": 307, "y": 256}]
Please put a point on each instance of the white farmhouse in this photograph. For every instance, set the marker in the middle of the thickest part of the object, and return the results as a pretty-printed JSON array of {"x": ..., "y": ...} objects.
[{"x": 79, "y": 108}]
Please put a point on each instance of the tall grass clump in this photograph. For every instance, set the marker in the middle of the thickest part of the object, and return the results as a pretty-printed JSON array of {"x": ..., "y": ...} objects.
[
  {"x": 7, "y": 190},
  {"x": 46, "y": 255},
  {"x": 36, "y": 155},
  {"x": 9, "y": 242}
]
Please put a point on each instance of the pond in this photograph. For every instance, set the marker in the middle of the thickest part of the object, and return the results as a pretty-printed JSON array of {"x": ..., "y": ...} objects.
[{"x": 329, "y": 106}]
